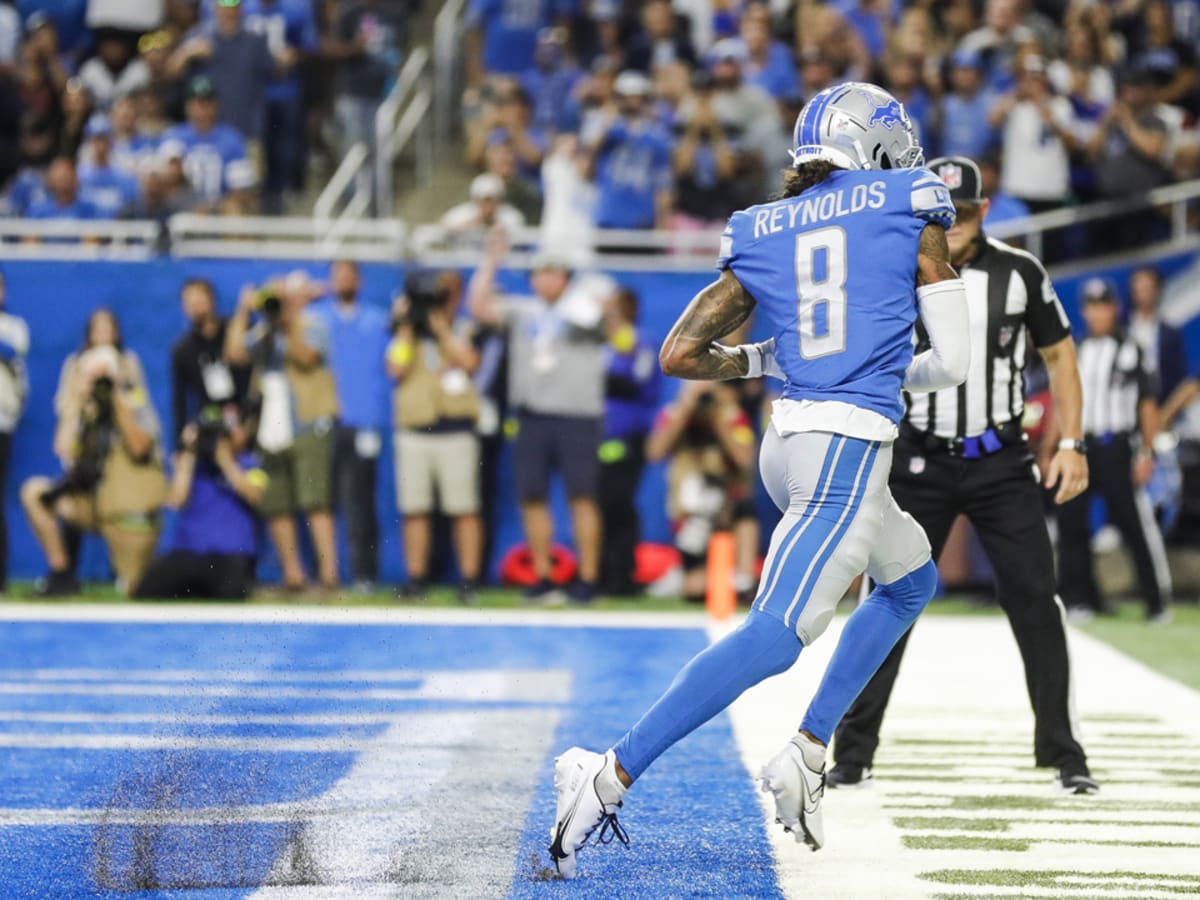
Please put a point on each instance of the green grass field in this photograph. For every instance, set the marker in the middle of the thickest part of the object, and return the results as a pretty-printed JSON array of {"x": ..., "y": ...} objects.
[{"x": 1173, "y": 650}]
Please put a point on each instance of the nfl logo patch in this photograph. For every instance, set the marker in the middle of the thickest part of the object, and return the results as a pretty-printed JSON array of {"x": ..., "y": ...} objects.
[
  {"x": 916, "y": 465},
  {"x": 951, "y": 175}
]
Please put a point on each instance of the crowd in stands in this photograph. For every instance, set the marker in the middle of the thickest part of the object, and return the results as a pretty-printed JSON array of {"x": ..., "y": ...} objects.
[
  {"x": 145, "y": 108},
  {"x": 671, "y": 115}
]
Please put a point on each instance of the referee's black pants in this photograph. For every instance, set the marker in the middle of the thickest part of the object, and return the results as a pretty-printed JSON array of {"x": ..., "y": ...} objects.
[
  {"x": 1110, "y": 466},
  {"x": 1001, "y": 497}
]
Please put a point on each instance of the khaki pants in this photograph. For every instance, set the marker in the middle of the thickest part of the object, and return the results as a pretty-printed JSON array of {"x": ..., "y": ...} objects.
[{"x": 131, "y": 540}]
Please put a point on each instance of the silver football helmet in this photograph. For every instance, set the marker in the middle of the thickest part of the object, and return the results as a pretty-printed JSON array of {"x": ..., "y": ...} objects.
[{"x": 856, "y": 126}]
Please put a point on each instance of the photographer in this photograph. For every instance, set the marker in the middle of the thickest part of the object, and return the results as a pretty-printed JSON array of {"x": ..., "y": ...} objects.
[
  {"x": 199, "y": 375},
  {"x": 711, "y": 447},
  {"x": 435, "y": 408},
  {"x": 108, "y": 441},
  {"x": 288, "y": 350},
  {"x": 216, "y": 488}
]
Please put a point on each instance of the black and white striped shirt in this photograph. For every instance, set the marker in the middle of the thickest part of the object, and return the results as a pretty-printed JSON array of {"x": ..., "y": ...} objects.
[
  {"x": 1115, "y": 382},
  {"x": 1008, "y": 291}
]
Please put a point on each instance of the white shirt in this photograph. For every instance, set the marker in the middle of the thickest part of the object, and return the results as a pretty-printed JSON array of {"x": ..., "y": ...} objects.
[
  {"x": 1035, "y": 165},
  {"x": 465, "y": 229},
  {"x": 1144, "y": 332},
  {"x": 104, "y": 88},
  {"x": 130, "y": 15}
]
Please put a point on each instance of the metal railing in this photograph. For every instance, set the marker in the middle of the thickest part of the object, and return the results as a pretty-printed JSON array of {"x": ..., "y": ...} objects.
[
  {"x": 374, "y": 240},
  {"x": 78, "y": 239},
  {"x": 401, "y": 117},
  {"x": 447, "y": 69},
  {"x": 348, "y": 172}
]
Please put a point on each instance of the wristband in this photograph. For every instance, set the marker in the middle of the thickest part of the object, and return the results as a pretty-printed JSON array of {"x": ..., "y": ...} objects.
[{"x": 754, "y": 359}]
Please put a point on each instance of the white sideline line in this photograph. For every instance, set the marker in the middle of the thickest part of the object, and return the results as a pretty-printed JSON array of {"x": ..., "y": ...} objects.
[
  {"x": 280, "y": 675},
  {"x": 132, "y": 742},
  {"x": 261, "y": 614}
]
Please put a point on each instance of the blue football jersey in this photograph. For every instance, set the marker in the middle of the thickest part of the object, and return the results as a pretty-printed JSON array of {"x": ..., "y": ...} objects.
[{"x": 834, "y": 272}]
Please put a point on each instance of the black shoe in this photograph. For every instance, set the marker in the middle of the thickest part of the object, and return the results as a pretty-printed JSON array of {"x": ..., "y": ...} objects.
[
  {"x": 544, "y": 593},
  {"x": 582, "y": 592},
  {"x": 468, "y": 593},
  {"x": 57, "y": 584},
  {"x": 1076, "y": 779},
  {"x": 414, "y": 590},
  {"x": 845, "y": 775}
]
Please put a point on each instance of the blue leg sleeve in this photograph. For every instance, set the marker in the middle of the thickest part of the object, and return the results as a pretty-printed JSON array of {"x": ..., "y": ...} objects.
[
  {"x": 870, "y": 633},
  {"x": 763, "y": 646}
]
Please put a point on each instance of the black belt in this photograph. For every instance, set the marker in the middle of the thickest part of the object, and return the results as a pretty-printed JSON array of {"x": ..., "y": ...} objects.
[
  {"x": 974, "y": 447},
  {"x": 1108, "y": 437}
]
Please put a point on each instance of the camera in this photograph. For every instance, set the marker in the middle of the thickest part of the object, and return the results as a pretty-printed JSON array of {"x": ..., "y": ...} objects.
[
  {"x": 270, "y": 304},
  {"x": 425, "y": 296},
  {"x": 210, "y": 428}
]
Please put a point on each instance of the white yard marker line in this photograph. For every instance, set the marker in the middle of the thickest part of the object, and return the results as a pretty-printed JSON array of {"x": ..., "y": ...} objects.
[
  {"x": 467, "y": 685},
  {"x": 935, "y": 718}
]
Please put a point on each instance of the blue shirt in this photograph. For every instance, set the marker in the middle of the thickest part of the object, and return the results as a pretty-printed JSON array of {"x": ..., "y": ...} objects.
[
  {"x": 633, "y": 385},
  {"x": 834, "y": 273},
  {"x": 551, "y": 96},
  {"x": 965, "y": 130},
  {"x": 284, "y": 24},
  {"x": 215, "y": 519},
  {"x": 48, "y": 208},
  {"x": 206, "y": 156},
  {"x": 1002, "y": 208},
  {"x": 510, "y": 29},
  {"x": 27, "y": 189},
  {"x": 69, "y": 17},
  {"x": 633, "y": 165},
  {"x": 112, "y": 191},
  {"x": 778, "y": 75},
  {"x": 357, "y": 345}
]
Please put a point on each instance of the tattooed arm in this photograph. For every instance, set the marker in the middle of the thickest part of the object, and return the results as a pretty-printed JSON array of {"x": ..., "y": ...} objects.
[
  {"x": 691, "y": 349},
  {"x": 942, "y": 300}
]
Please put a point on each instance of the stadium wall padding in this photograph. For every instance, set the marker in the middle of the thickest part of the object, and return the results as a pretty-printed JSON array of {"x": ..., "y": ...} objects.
[{"x": 55, "y": 297}]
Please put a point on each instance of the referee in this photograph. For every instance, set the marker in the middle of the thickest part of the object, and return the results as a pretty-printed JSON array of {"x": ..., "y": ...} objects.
[
  {"x": 962, "y": 451},
  {"x": 1118, "y": 401}
]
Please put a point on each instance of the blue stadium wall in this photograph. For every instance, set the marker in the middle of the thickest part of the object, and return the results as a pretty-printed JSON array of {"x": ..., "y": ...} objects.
[{"x": 56, "y": 298}]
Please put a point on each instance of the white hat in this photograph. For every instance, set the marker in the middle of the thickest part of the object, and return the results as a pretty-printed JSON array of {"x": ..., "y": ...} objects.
[
  {"x": 487, "y": 187},
  {"x": 240, "y": 175},
  {"x": 631, "y": 83}
]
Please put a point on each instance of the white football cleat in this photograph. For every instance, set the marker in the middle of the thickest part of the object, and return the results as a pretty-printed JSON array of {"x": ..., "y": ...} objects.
[
  {"x": 796, "y": 776},
  {"x": 579, "y": 778}
]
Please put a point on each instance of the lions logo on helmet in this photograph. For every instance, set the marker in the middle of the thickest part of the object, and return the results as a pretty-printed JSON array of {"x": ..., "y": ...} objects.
[{"x": 856, "y": 126}]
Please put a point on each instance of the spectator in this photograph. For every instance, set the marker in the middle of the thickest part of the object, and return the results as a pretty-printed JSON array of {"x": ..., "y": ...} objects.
[
  {"x": 707, "y": 163},
  {"x": 1164, "y": 354},
  {"x": 509, "y": 120},
  {"x": 208, "y": 146},
  {"x": 904, "y": 83},
  {"x": 998, "y": 40},
  {"x": 710, "y": 445},
  {"x": 550, "y": 82},
  {"x": 112, "y": 191},
  {"x": 242, "y": 198},
  {"x": 358, "y": 335},
  {"x": 1001, "y": 206},
  {"x": 67, "y": 18},
  {"x": 238, "y": 64},
  {"x": 107, "y": 439},
  {"x": 1083, "y": 74},
  {"x": 662, "y": 40},
  {"x": 62, "y": 199},
  {"x": 502, "y": 35},
  {"x": 165, "y": 189},
  {"x": 747, "y": 111},
  {"x": 1128, "y": 150},
  {"x": 200, "y": 377},
  {"x": 156, "y": 50},
  {"x": 14, "y": 390},
  {"x": 468, "y": 224},
  {"x": 966, "y": 130},
  {"x": 769, "y": 63},
  {"x": 435, "y": 410},
  {"x": 632, "y": 387},
  {"x": 291, "y": 33},
  {"x": 130, "y": 150},
  {"x": 630, "y": 159},
  {"x": 366, "y": 48},
  {"x": 500, "y": 160},
  {"x": 114, "y": 71},
  {"x": 1169, "y": 60},
  {"x": 288, "y": 349},
  {"x": 556, "y": 387},
  {"x": 1037, "y": 136},
  {"x": 217, "y": 485},
  {"x": 41, "y": 59},
  {"x": 817, "y": 72},
  {"x": 76, "y": 113}
]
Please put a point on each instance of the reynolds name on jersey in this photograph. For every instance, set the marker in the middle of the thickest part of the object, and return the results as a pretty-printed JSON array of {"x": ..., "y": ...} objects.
[{"x": 834, "y": 272}]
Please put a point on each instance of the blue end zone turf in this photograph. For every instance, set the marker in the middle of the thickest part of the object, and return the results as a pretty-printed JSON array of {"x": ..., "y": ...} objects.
[{"x": 81, "y": 737}]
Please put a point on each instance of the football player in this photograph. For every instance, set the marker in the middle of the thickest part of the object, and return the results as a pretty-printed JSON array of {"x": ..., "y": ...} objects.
[{"x": 840, "y": 265}]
